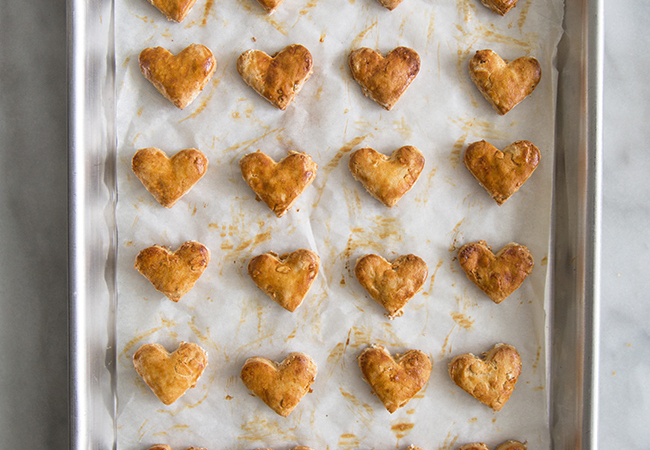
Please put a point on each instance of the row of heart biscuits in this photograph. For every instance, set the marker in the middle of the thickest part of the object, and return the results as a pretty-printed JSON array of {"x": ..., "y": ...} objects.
[
  {"x": 508, "y": 445},
  {"x": 177, "y": 10},
  {"x": 288, "y": 278},
  {"x": 395, "y": 380},
  {"x": 388, "y": 179},
  {"x": 278, "y": 78}
]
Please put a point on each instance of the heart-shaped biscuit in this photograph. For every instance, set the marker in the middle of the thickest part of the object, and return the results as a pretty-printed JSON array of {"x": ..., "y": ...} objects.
[
  {"x": 175, "y": 10},
  {"x": 508, "y": 445},
  {"x": 490, "y": 379},
  {"x": 394, "y": 380},
  {"x": 390, "y": 4},
  {"x": 286, "y": 278},
  {"x": 278, "y": 184},
  {"x": 504, "y": 83},
  {"x": 173, "y": 274},
  {"x": 169, "y": 375},
  {"x": 497, "y": 275},
  {"x": 179, "y": 78},
  {"x": 168, "y": 179},
  {"x": 387, "y": 179},
  {"x": 500, "y": 6},
  {"x": 277, "y": 78},
  {"x": 280, "y": 386},
  {"x": 391, "y": 284},
  {"x": 167, "y": 447},
  {"x": 270, "y": 5},
  {"x": 384, "y": 79},
  {"x": 501, "y": 173}
]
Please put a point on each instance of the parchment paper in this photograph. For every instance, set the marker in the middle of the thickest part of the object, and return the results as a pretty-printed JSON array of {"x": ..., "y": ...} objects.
[{"x": 441, "y": 113}]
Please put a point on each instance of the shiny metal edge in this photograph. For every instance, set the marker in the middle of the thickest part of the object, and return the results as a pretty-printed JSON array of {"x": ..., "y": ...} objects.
[
  {"x": 576, "y": 229},
  {"x": 92, "y": 232}
]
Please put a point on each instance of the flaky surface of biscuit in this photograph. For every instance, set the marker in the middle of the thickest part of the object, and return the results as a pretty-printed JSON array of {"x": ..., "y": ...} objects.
[
  {"x": 280, "y": 386},
  {"x": 277, "y": 78},
  {"x": 270, "y": 5},
  {"x": 504, "y": 83},
  {"x": 501, "y": 173},
  {"x": 490, "y": 379},
  {"x": 286, "y": 278},
  {"x": 168, "y": 179},
  {"x": 175, "y": 10},
  {"x": 390, "y": 4},
  {"x": 512, "y": 445},
  {"x": 278, "y": 184},
  {"x": 391, "y": 284},
  {"x": 394, "y": 380},
  {"x": 474, "y": 446},
  {"x": 500, "y": 6},
  {"x": 498, "y": 275},
  {"x": 170, "y": 375},
  {"x": 173, "y": 274},
  {"x": 384, "y": 79},
  {"x": 179, "y": 78},
  {"x": 387, "y": 178}
]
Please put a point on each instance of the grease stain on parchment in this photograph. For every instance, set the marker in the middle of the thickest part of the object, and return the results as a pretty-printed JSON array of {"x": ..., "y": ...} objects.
[
  {"x": 281, "y": 27},
  {"x": 433, "y": 277},
  {"x": 363, "y": 411},
  {"x": 260, "y": 428},
  {"x": 361, "y": 36},
  {"x": 447, "y": 346},
  {"x": 206, "y": 12},
  {"x": 401, "y": 429},
  {"x": 449, "y": 442},
  {"x": 462, "y": 319},
  {"x": 348, "y": 441},
  {"x": 204, "y": 100}
]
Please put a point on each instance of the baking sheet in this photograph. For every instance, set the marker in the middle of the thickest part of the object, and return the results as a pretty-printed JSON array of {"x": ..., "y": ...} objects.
[{"x": 441, "y": 113}]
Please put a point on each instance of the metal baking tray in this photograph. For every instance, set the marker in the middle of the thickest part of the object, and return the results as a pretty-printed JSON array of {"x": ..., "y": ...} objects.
[{"x": 92, "y": 234}]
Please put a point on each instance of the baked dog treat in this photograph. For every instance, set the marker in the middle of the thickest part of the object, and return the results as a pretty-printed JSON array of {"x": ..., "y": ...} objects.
[
  {"x": 173, "y": 274},
  {"x": 474, "y": 446},
  {"x": 278, "y": 184},
  {"x": 384, "y": 79},
  {"x": 500, "y": 6},
  {"x": 169, "y": 375},
  {"x": 497, "y": 275},
  {"x": 270, "y": 5},
  {"x": 175, "y": 10},
  {"x": 390, "y": 4},
  {"x": 490, "y": 379},
  {"x": 168, "y": 179},
  {"x": 179, "y": 78},
  {"x": 504, "y": 83},
  {"x": 286, "y": 278},
  {"x": 277, "y": 78},
  {"x": 501, "y": 173},
  {"x": 391, "y": 284},
  {"x": 387, "y": 179},
  {"x": 512, "y": 445},
  {"x": 167, "y": 447},
  {"x": 280, "y": 386},
  {"x": 394, "y": 380}
]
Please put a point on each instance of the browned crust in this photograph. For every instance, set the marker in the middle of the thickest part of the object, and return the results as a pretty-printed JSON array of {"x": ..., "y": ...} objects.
[
  {"x": 280, "y": 386},
  {"x": 286, "y": 278},
  {"x": 277, "y": 78},
  {"x": 384, "y": 79},
  {"x": 490, "y": 379},
  {"x": 501, "y": 173},
  {"x": 278, "y": 184},
  {"x": 504, "y": 83},
  {"x": 168, "y": 179},
  {"x": 391, "y": 284},
  {"x": 512, "y": 445},
  {"x": 474, "y": 446},
  {"x": 167, "y": 447},
  {"x": 174, "y": 10},
  {"x": 498, "y": 275},
  {"x": 173, "y": 274},
  {"x": 500, "y": 6},
  {"x": 394, "y": 380},
  {"x": 170, "y": 375},
  {"x": 270, "y": 5},
  {"x": 390, "y": 4},
  {"x": 387, "y": 178},
  {"x": 178, "y": 78}
]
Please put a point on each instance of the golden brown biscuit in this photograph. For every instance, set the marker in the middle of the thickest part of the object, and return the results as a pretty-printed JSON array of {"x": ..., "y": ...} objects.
[
  {"x": 278, "y": 184},
  {"x": 474, "y": 446},
  {"x": 391, "y": 284},
  {"x": 387, "y": 179},
  {"x": 497, "y": 275},
  {"x": 175, "y": 10},
  {"x": 173, "y": 274},
  {"x": 167, "y": 447},
  {"x": 277, "y": 78},
  {"x": 384, "y": 79},
  {"x": 169, "y": 375},
  {"x": 287, "y": 278},
  {"x": 501, "y": 173},
  {"x": 270, "y": 5},
  {"x": 168, "y": 179},
  {"x": 512, "y": 445},
  {"x": 280, "y": 386},
  {"x": 390, "y": 4},
  {"x": 490, "y": 379},
  {"x": 504, "y": 83},
  {"x": 500, "y": 6},
  {"x": 179, "y": 78},
  {"x": 394, "y": 380}
]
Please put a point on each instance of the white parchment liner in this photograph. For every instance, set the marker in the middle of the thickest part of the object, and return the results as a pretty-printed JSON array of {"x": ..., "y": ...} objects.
[{"x": 441, "y": 113}]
